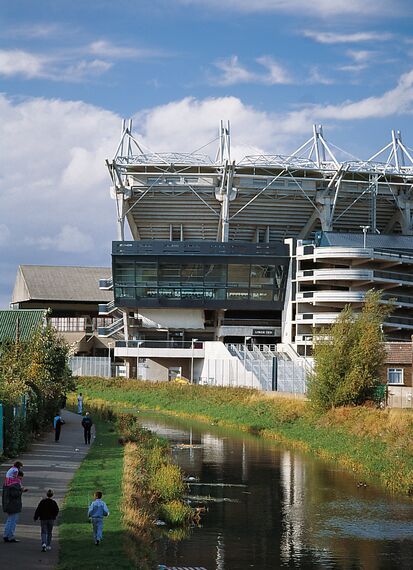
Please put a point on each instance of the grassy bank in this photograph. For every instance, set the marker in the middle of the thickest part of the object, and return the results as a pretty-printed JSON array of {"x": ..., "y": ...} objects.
[
  {"x": 376, "y": 444},
  {"x": 140, "y": 483},
  {"x": 100, "y": 470}
]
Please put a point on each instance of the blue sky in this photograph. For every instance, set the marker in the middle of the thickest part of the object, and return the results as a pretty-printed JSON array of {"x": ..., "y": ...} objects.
[{"x": 70, "y": 70}]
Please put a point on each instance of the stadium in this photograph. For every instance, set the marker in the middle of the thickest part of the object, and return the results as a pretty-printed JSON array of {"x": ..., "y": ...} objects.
[{"x": 224, "y": 269}]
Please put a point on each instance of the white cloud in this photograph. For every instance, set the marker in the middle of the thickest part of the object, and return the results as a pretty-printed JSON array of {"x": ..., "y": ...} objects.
[
  {"x": 362, "y": 55},
  {"x": 54, "y": 184},
  {"x": 396, "y": 101},
  {"x": 69, "y": 240},
  {"x": 70, "y": 65},
  {"x": 19, "y": 62},
  {"x": 103, "y": 48},
  {"x": 35, "y": 31},
  {"x": 319, "y": 8},
  {"x": 339, "y": 38},
  {"x": 234, "y": 72},
  {"x": 54, "y": 68}
]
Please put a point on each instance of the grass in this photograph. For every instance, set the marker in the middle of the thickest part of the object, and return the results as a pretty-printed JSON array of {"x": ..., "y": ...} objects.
[
  {"x": 375, "y": 444},
  {"x": 100, "y": 470}
]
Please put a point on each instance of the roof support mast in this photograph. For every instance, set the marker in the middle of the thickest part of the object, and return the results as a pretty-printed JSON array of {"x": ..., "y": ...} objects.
[{"x": 225, "y": 193}]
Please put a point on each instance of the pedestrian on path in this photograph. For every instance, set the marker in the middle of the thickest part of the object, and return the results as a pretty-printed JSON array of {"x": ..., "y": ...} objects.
[
  {"x": 47, "y": 511},
  {"x": 12, "y": 506},
  {"x": 87, "y": 424},
  {"x": 58, "y": 421},
  {"x": 97, "y": 510},
  {"x": 80, "y": 403},
  {"x": 12, "y": 473}
]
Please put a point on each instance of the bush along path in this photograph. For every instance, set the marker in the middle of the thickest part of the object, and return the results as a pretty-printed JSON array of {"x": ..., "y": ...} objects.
[
  {"x": 142, "y": 487},
  {"x": 374, "y": 444}
]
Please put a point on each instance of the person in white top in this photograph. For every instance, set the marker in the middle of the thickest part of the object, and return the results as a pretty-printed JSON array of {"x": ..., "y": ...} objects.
[{"x": 80, "y": 403}]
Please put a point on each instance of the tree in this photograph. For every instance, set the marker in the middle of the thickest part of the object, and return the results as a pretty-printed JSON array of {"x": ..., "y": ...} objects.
[
  {"x": 37, "y": 371},
  {"x": 348, "y": 356}
]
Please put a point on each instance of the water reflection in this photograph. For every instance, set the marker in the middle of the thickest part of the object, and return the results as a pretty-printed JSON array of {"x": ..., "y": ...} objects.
[{"x": 272, "y": 508}]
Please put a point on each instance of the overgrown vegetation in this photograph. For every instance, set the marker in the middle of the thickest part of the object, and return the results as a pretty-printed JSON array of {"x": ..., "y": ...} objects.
[
  {"x": 349, "y": 355},
  {"x": 375, "y": 444},
  {"x": 33, "y": 378}
]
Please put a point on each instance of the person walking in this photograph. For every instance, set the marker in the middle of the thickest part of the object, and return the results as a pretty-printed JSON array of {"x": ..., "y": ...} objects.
[
  {"x": 80, "y": 403},
  {"x": 97, "y": 510},
  {"x": 12, "y": 473},
  {"x": 58, "y": 421},
  {"x": 47, "y": 511},
  {"x": 87, "y": 424},
  {"x": 12, "y": 505}
]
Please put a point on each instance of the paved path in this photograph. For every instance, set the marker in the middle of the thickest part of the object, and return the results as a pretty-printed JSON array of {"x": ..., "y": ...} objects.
[{"x": 48, "y": 465}]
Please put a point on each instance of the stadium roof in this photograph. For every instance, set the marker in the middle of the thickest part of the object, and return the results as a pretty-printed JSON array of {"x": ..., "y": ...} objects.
[
  {"x": 60, "y": 283},
  {"x": 25, "y": 321}
]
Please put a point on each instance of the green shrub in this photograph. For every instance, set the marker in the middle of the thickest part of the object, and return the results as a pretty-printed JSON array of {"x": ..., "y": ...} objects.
[
  {"x": 176, "y": 513},
  {"x": 167, "y": 482}
]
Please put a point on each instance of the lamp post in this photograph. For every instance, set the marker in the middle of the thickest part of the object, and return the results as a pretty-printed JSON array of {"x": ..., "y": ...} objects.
[
  {"x": 111, "y": 345},
  {"x": 365, "y": 228},
  {"x": 192, "y": 359}
]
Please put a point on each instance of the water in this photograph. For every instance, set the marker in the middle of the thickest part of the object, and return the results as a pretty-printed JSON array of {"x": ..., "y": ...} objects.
[{"x": 270, "y": 508}]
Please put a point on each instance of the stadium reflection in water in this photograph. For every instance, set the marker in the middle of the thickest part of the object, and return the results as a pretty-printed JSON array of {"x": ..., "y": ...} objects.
[{"x": 271, "y": 508}]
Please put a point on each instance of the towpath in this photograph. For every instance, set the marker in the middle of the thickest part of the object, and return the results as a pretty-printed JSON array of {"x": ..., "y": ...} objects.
[{"x": 48, "y": 465}]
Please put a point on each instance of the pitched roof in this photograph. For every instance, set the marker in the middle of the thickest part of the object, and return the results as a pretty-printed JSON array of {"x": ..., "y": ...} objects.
[
  {"x": 61, "y": 283},
  {"x": 25, "y": 320}
]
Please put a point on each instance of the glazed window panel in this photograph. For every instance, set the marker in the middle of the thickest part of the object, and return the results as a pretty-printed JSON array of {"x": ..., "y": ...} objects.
[
  {"x": 215, "y": 273},
  {"x": 146, "y": 273},
  {"x": 192, "y": 273},
  {"x": 262, "y": 276},
  {"x": 395, "y": 375},
  {"x": 238, "y": 275},
  {"x": 125, "y": 274},
  {"x": 169, "y": 274}
]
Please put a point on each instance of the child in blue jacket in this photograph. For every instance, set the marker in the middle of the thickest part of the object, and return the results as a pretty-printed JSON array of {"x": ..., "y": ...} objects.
[{"x": 97, "y": 510}]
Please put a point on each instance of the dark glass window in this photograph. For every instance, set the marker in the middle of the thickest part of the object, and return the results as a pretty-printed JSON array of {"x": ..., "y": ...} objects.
[
  {"x": 125, "y": 273},
  {"x": 216, "y": 274},
  {"x": 169, "y": 274},
  {"x": 146, "y": 273}
]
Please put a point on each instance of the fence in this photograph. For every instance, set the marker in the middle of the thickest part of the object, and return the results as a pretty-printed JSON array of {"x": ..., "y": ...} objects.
[
  {"x": 400, "y": 397},
  {"x": 233, "y": 373},
  {"x": 90, "y": 366},
  {"x": 290, "y": 377},
  {"x": 268, "y": 375}
]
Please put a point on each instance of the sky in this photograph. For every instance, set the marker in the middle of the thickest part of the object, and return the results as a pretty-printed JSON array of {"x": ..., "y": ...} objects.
[{"x": 70, "y": 70}]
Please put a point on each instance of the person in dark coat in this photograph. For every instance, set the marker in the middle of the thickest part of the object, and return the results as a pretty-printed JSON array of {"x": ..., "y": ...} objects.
[
  {"x": 58, "y": 421},
  {"x": 87, "y": 424},
  {"x": 47, "y": 511},
  {"x": 12, "y": 505}
]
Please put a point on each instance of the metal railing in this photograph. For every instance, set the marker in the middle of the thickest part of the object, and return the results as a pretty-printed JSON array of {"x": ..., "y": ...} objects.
[
  {"x": 106, "y": 283},
  {"x": 115, "y": 327},
  {"x": 196, "y": 345}
]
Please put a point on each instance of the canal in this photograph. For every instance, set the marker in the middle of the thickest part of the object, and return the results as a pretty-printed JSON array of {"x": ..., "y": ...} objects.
[{"x": 269, "y": 507}]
